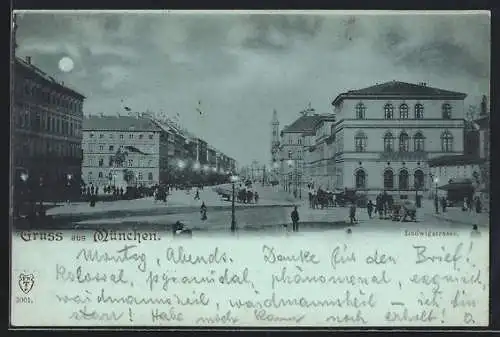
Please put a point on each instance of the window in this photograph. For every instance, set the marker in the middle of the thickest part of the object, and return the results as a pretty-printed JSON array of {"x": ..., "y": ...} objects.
[
  {"x": 403, "y": 111},
  {"x": 150, "y": 176},
  {"x": 446, "y": 142},
  {"x": 121, "y": 136},
  {"x": 91, "y": 135},
  {"x": 139, "y": 175},
  {"x": 360, "y": 111},
  {"x": 360, "y": 179},
  {"x": 151, "y": 136},
  {"x": 111, "y": 148},
  {"x": 289, "y": 154},
  {"x": 100, "y": 175},
  {"x": 419, "y": 111},
  {"x": 388, "y": 111},
  {"x": 130, "y": 162},
  {"x": 101, "y": 136},
  {"x": 101, "y": 147},
  {"x": 360, "y": 142},
  {"x": 418, "y": 141},
  {"x": 131, "y": 136},
  {"x": 404, "y": 142},
  {"x": 299, "y": 141},
  {"x": 388, "y": 142},
  {"x": 388, "y": 179},
  {"x": 403, "y": 180},
  {"x": 110, "y": 136},
  {"x": 110, "y": 176},
  {"x": 101, "y": 162},
  {"x": 418, "y": 177},
  {"x": 141, "y": 136},
  {"x": 446, "y": 111}
]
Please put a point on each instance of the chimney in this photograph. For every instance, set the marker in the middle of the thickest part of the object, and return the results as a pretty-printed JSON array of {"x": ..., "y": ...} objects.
[{"x": 28, "y": 59}]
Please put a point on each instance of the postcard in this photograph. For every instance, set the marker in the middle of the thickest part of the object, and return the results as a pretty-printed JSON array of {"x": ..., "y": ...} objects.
[{"x": 239, "y": 169}]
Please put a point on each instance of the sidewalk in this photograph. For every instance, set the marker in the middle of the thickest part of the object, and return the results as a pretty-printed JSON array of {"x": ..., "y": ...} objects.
[{"x": 456, "y": 215}]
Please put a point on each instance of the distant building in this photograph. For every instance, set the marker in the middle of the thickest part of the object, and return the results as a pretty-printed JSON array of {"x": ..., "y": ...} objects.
[
  {"x": 47, "y": 136},
  {"x": 386, "y": 133},
  {"x": 467, "y": 174},
  {"x": 319, "y": 154},
  {"x": 145, "y": 145},
  {"x": 292, "y": 147}
]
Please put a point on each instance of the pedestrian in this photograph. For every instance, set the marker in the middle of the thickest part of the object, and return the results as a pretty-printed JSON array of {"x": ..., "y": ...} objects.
[
  {"x": 443, "y": 204},
  {"x": 197, "y": 195},
  {"x": 92, "y": 189},
  {"x": 465, "y": 206},
  {"x": 256, "y": 196},
  {"x": 436, "y": 204},
  {"x": 478, "y": 205},
  {"x": 97, "y": 190},
  {"x": 295, "y": 219},
  {"x": 369, "y": 208},
  {"x": 352, "y": 213},
  {"x": 203, "y": 211}
]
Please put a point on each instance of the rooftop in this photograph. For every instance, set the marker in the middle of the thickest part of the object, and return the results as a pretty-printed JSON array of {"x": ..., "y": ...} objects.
[
  {"x": 40, "y": 73},
  {"x": 305, "y": 123},
  {"x": 397, "y": 88},
  {"x": 455, "y": 160},
  {"x": 119, "y": 123}
]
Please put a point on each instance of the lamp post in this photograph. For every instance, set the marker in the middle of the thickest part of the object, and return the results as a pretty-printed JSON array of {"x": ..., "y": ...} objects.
[
  {"x": 69, "y": 177},
  {"x": 24, "y": 178},
  {"x": 234, "y": 179}
]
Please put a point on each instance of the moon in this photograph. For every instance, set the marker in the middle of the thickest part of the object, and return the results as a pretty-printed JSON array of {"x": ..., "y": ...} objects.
[{"x": 66, "y": 64}]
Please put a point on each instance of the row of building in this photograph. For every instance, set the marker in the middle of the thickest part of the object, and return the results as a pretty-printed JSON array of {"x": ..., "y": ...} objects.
[
  {"x": 402, "y": 138},
  {"x": 54, "y": 145},
  {"x": 156, "y": 151}
]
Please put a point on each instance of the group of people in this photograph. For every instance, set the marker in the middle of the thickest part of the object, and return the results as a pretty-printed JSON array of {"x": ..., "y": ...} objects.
[
  {"x": 319, "y": 198},
  {"x": 247, "y": 195},
  {"x": 468, "y": 205}
]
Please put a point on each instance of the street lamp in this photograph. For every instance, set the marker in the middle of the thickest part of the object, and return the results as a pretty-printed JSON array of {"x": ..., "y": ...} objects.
[
  {"x": 69, "y": 176},
  {"x": 181, "y": 164},
  {"x": 234, "y": 179}
]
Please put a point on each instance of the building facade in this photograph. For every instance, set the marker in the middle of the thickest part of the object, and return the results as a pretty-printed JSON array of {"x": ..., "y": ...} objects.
[
  {"x": 319, "y": 159},
  {"x": 292, "y": 151},
  {"x": 47, "y": 135},
  {"x": 145, "y": 145},
  {"x": 385, "y": 134}
]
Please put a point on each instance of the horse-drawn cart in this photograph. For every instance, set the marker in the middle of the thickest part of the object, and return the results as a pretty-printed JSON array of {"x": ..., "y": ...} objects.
[{"x": 403, "y": 210}]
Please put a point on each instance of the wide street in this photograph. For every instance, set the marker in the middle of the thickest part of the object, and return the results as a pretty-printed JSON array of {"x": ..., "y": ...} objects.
[{"x": 270, "y": 215}]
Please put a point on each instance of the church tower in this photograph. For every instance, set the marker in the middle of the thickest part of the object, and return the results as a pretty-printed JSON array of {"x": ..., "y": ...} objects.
[{"x": 275, "y": 137}]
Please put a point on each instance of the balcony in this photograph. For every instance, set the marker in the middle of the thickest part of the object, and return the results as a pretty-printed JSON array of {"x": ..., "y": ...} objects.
[{"x": 403, "y": 155}]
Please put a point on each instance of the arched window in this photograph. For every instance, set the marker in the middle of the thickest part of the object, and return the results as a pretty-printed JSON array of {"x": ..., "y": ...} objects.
[
  {"x": 403, "y": 111},
  {"x": 418, "y": 178},
  {"x": 100, "y": 174},
  {"x": 446, "y": 111},
  {"x": 418, "y": 140},
  {"x": 360, "y": 141},
  {"x": 360, "y": 111},
  {"x": 388, "y": 179},
  {"x": 419, "y": 111},
  {"x": 404, "y": 142},
  {"x": 446, "y": 142},
  {"x": 388, "y": 142},
  {"x": 388, "y": 111},
  {"x": 403, "y": 180},
  {"x": 360, "y": 179},
  {"x": 150, "y": 176}
]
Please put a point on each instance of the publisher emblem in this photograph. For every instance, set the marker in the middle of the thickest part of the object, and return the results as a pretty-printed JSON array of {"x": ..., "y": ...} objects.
[{"x": 26, "y": 282}]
